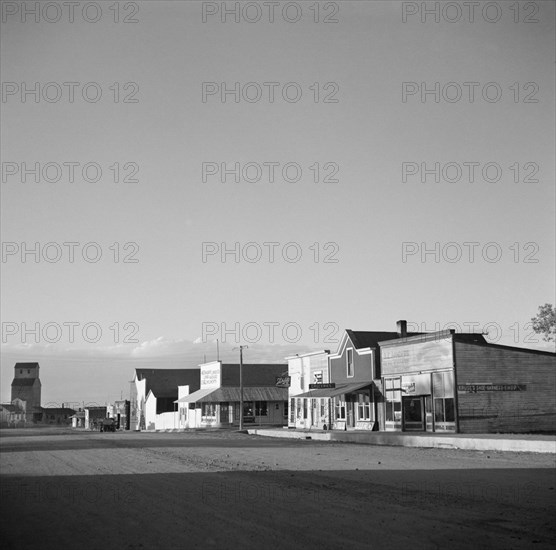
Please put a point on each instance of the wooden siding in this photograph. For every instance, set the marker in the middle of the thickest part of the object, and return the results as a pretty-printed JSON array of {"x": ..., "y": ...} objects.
[
  {"x": 529, "y": 410},
  {"x": 416, "y": 356},
  {"x": 362, "y": 367}
]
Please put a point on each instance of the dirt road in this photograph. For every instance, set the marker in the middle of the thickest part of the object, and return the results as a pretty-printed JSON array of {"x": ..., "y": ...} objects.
[{"x": 224, "y": 490}]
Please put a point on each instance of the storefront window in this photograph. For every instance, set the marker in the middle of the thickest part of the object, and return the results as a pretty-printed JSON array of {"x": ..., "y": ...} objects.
[
  {"x": 261, "y": 408},
  {"x": 393, "y": 411},
  {"x": 340, "y": 410},
  {"x": 208, "y": 410},
  {"x": 286, "y": 409},
  {"x": 322, "y": 407},
  {"x": 444, "y": 410},
  {"x": 305, "y": 408},
  {"x": 364, "y": 407},
  {"x": 292, "y": 410},
  {"x": 393, "y": 396}
]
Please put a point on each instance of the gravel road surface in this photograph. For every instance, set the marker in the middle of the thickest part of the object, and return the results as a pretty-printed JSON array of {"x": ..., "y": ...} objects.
[{"x": 225, "y": 490}]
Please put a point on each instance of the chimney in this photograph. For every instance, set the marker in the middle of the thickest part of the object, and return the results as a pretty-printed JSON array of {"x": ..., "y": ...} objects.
[{"x": 402, "y": 328}]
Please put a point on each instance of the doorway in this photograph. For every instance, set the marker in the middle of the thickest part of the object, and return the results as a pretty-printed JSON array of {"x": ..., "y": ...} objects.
[{"x": 413, "y": 409}]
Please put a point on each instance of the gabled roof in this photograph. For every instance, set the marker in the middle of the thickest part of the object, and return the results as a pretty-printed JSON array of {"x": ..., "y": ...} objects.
[
  {"x": 232, "y": 395},
  {"x": 11, "y": 408},
  {"x": 370, "y": 339},
  {"x": 24, "y": 381},
  {"x": 26, "y": 365},
  {"x": 165, "y": 382}
]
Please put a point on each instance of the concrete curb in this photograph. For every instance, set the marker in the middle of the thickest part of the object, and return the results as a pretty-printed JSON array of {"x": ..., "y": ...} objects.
[{"x": 405, "y": 440}]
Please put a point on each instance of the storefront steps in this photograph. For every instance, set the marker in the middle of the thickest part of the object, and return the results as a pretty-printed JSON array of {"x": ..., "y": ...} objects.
[{"x": 471, "y": 442}]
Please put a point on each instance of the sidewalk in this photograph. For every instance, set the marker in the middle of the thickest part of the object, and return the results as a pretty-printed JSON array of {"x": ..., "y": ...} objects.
[{"x": 530, "y": 443}]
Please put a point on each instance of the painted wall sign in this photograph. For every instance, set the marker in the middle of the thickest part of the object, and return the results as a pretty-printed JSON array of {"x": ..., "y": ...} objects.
[
  {"x": 475, "y": 388},
  {"x": 322, "y": 386},
  {"x": 210, "y": 377},
  {"x": 419, "y": 356}
]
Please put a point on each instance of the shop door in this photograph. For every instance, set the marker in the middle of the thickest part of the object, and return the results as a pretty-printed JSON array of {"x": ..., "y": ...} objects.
[
  {"x": 225, "y": 413},
  {"x": 350, "y": 406},
  {"x": 413, "y": 409}
]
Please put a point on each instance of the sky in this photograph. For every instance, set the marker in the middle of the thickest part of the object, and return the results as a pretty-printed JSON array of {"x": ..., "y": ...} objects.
[{"x": 398, "y": 164}]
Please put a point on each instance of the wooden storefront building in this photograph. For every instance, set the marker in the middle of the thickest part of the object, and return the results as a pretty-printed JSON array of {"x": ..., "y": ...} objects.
[{"x": 448, "y": 382}]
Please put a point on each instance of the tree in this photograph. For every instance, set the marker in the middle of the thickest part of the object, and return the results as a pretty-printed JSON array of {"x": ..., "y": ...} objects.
[{"x": 545, "y": 322}]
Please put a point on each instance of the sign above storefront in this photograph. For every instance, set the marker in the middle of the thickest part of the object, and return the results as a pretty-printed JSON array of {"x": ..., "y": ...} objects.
[
  {"x": 322, "y": 386},
  {"x": 210, "y": 377},
  {"x": 416, "y": 384},
  {"x": 474, "y": 388},
  {"x": 283, "y": 381},
  {"x": 416, "y": 356}
]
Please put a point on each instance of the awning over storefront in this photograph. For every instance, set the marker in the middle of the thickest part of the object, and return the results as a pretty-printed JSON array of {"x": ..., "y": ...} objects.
[
  {"x": 195, "y": 396},
  {"x": 232, "y": 394},
  {"x": 340, "y": 389}
]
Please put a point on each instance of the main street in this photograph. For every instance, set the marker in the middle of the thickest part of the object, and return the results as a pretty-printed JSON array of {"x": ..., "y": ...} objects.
[{"x": 70, "y": 489}]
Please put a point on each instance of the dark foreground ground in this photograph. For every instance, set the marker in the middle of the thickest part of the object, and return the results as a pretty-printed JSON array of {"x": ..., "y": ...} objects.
[{"x": 173, "y": 491}]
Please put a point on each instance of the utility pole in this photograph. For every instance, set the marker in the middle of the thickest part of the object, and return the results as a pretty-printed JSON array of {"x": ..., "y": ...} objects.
[{"x": 241, "y": 386}]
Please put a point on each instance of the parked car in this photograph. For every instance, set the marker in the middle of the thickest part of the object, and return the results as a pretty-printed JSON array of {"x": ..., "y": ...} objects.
[{"x": 107, "y": 425}]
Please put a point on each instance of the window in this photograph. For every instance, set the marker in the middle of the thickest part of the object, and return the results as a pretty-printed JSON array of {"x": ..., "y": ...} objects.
[
  {"x": 208, "y": 410},
  {"x": 349, "y": 360},
  {"x": 443, "y": 389},
  {"x": 286, "y": 409},
  {"x": 444, "y": 410},
  {"x": 393, "y": 396},
  {"x": 340, "y": 410},
  {"x": 261, "y": 408},
  {"x": 363, "y": 406},
  {"x": 322, "y": 407},
  {"x": 292, "y": 410},
  {"x": 304, "y": 408}
]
